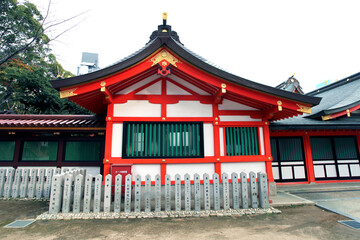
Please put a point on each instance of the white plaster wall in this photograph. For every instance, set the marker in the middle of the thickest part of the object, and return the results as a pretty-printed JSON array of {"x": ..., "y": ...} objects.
[
  {"x": 138, "y": 85},
  {"x": 262, "y": 144},
  {"x": 208, "y": 139},
  {"x": 222, "y": 143},
  {"x": 231, "y": 105},
  {"x": 188, "y": 85},
  {"x": 190, "y": 168},
  {"x": 117, "y": 138},
  {"x": 231, "y": 118},
  {"x": 137, "y": 108},
  {"x": 145, "y": 169},
  {"x": 189, "y": 109},
  {"x": 172, "y": 89},
  {"x": 154, "y": 89},
  {"x": 246, "y": 167}
]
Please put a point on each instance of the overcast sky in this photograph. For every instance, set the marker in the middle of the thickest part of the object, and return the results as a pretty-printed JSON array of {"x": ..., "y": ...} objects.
[{"x": 263, "y": 41}]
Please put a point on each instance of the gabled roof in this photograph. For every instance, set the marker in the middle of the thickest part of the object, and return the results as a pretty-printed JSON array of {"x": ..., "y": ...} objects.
[
  {"x": 338, "y": 98},
  {"x": 18, "y": 121},
  {"x": 164, "y": 37},
  {"x": 338, "y": 108}
]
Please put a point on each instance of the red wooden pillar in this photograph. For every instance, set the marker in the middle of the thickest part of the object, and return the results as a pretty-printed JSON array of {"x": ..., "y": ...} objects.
[
  {"x": 162, "y": 173},
  {"x": 308, "y": 158},
  {"x": 108, "y": 139},
  {"x": 217, "y": 165},
  {"x": 267, "y": 146}
]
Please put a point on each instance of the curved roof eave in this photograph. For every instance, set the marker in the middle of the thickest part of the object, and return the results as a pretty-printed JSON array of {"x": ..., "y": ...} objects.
[
  {"x": 333, "y": 111},
  {"x": 168, "y": 41}
]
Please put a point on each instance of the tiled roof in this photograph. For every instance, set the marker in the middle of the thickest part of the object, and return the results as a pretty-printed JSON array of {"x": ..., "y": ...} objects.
[{"x": 53, "y": 121}]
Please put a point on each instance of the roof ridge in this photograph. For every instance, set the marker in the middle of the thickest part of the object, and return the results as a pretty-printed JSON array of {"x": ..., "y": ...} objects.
[{"x": 338, "y": 83}]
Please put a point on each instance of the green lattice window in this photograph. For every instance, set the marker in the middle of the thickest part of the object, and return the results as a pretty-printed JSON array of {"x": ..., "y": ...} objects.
[
  {"x": 7, "y": 149},
  {"x": 242, "y": 141},
  {"x": 158, "y": 140},
  {"x": 82, "y": 151},
  {"x": 40, "y": 151}
]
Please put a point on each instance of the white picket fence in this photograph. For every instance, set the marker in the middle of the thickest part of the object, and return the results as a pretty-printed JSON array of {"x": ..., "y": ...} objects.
[
  {"x": 28, "y": 183},
  {"x": 76, "y": 193}
]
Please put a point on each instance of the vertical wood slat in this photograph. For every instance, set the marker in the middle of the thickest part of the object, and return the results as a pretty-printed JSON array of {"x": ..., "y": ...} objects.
[{"x": 162, "y": 139}]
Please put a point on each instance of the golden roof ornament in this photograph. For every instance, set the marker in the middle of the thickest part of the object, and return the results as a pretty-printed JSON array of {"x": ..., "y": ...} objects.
[{"x": 164, "y": 18}]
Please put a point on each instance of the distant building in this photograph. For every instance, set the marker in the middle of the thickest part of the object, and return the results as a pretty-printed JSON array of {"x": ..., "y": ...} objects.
[
  {"x": 89, "y": 63},
  {"x": 291, "y": 85}
]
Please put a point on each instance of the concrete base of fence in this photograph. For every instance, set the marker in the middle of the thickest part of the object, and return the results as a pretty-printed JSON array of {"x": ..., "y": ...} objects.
[
  {"x": 272, "y": 188},
  {"x": 162, "y": 214}
]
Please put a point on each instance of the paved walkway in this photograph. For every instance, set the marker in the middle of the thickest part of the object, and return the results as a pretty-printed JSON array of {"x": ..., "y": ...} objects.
[{"x": 341, "y": 198}]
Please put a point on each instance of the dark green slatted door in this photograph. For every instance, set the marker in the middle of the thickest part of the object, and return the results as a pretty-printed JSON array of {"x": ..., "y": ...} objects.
[
  {"x": 242, "y": 141},
  {"x": 163, "y": 140},
  {"x": 335, "y": 158},
  {"x": 288, "y": 159}
]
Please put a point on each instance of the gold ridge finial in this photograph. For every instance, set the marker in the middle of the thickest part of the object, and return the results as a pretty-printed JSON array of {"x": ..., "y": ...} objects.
[{"x": 164, "y": 16}]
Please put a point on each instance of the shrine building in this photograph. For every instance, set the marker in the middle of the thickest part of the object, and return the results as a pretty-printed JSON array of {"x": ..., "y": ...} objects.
[
  {"x": 169, "y": 111},
  {"x": 165, "y": 110}
]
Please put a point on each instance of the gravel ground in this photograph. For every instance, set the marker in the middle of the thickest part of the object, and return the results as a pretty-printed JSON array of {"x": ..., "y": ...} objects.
[{"x": 300, "y": 222}]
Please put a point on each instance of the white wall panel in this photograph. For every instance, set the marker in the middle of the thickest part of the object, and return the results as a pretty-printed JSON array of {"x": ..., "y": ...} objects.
[
  {"x": 319, "y": 171},
  {"x": 154, "y": 89},
  {"x": 262, "y": 144},
  {"x": 208, "y": 139},
  {"x": 172, "y": 89},
  {"x": 117, "y": 137},
  {"x": 222, "y": 143},
  {"x": 188, "y": 85},
  {"x": 231, "y": 105},
  {"x": 138, "y": 85},
  {"x": 343, "y": 171},
  {"x": 144, "y": 169},
  {"x": 191, "y": 168},
  {"x": 137, "y": 108},
  {"x": 286, "y": 173},
  {"x": 232, "y": 118},
  {"x": 299, "y": 172},
  {"x": 355, "y": 170},
  {"x": 189, "y": 109},
  {"x": 246, "y": 167},
  {"x": 331, "y": 171}
]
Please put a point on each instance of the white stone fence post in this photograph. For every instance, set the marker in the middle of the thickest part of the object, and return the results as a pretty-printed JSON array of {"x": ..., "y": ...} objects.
[
  {"x": 29, "y": 183},
  {"x": 94, "y": 194}
]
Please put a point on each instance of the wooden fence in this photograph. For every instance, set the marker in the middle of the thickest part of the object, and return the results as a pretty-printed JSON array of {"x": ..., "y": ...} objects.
[{"x": 79, "y": 193}]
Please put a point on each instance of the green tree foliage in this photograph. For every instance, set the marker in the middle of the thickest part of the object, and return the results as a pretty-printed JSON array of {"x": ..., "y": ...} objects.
[{"x": 24, "y": 79}]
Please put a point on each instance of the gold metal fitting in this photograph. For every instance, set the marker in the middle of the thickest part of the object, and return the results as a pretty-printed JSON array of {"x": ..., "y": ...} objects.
[
  {"x": 56, "y": 133},
  {"x": 269, "y": 158},
  {"x": 163, "y": 119},
  {"x": 163, "y": 160},
  {"x": 279, "y": 105},
  {"x": 266, "y": 123},
  {"x": 107, "y": 160},
  {"x": 218, "y": 159},
  {"x": 216, "y": 123},
  {"x": 109, "y": 118},
  {"x": 216, "y": 119},
  {"x": 103, "y": 84},
  {"x": 164, "y": 15},
  {"x": 223, "y": 85}
]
